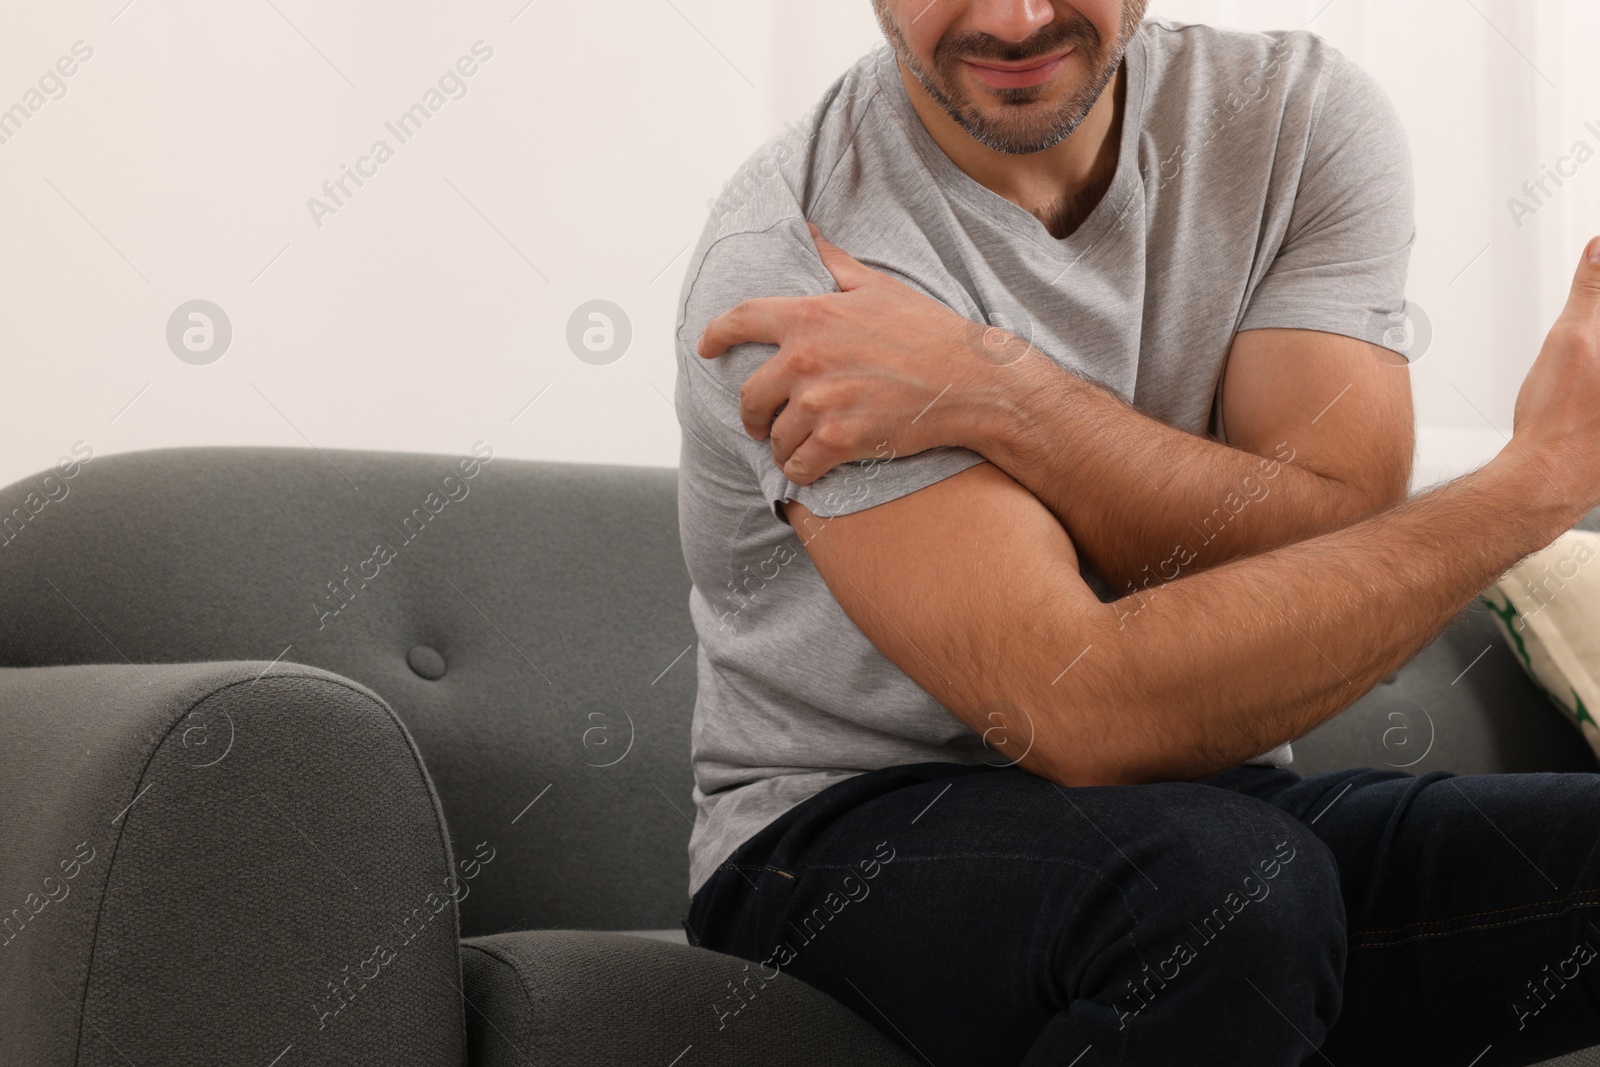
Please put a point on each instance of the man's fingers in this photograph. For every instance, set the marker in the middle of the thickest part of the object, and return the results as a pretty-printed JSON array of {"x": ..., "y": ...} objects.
[
  {"x": 849, "y": 272},
  {"x": 761, "y": 320},
  {"x": 762, "y": 394},
  {"x": 810, "y": 461},
  {"x": 800, "y": 450},
  {"x": 790, "y": 430}
]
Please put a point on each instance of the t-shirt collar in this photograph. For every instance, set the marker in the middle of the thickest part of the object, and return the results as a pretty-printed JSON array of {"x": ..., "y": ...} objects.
[{"x": 1125, "y": 182}]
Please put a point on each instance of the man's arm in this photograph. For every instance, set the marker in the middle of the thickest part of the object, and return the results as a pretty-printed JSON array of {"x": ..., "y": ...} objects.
[
  {"x": 1321, "y": 434},
  {"x": 970, "y": 587},
  {"x": 1323, "y": 423}
]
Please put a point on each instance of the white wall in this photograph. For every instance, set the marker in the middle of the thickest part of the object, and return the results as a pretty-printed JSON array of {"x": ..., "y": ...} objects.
[{"x": 433, "y": 305}]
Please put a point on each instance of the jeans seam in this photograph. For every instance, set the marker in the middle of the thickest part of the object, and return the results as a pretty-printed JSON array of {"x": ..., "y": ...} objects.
[
  {"x": 1479, "y": 914},
  {"x": 765, "y": 867},
  {"x": 1469, "y": 929},
  {"x": 1024, "y": 856}
]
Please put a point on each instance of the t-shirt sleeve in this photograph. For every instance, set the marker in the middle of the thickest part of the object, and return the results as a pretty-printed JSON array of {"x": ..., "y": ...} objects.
[
  {"x": 1341, "y": 266},
  {"x": 778, "y": 261}
]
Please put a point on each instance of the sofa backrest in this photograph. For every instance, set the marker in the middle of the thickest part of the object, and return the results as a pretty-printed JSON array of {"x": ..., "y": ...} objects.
[
  {"x": 555, "y": 600},
  {"x": 552, "y": 596}
]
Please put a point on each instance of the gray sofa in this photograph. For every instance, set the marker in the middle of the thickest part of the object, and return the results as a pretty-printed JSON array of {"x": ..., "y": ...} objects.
[{"x": 271, "y": 795}]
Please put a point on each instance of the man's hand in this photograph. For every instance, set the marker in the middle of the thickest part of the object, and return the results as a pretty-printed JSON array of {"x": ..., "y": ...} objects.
[
  {"x": 1558, "y": 408},
  {"x": 877, "y": 366}
]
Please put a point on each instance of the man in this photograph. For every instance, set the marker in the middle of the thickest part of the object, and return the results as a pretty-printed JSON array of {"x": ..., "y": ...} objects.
[{"x": 1042, "y": 479}]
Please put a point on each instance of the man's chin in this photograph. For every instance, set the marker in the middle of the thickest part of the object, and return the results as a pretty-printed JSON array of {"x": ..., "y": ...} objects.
[{"x": 1017, "y": 130}]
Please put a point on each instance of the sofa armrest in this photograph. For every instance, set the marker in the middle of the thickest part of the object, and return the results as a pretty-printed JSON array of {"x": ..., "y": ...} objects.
[
  {"x": 577, "y": 998},
  {"x": 219, "y": 863}
]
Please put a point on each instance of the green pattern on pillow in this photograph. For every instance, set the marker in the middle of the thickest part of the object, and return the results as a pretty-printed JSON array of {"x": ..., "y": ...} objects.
[{"x": 1548, "y": 609}]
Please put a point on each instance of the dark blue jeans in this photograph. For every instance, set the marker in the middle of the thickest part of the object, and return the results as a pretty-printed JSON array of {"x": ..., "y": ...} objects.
[{"x": 981, "y": 915}]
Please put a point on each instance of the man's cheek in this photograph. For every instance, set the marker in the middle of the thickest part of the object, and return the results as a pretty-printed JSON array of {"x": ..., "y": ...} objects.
[{"x": 1106, "y": 16}]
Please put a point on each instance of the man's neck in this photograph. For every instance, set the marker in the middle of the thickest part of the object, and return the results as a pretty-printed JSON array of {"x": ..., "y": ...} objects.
[{"x": 1059, "y": 186}]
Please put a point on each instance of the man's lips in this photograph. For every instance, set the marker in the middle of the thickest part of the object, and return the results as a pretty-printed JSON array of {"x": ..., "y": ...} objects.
[{"x": 1018, "y": 75}]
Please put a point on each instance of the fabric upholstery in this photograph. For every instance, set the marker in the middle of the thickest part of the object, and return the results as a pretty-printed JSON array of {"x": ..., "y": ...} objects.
[
  {"x": 190, "y": 855},
  {"x": 533, "y": 637},
  {"x": 578, "y": 998},
  {"x": 555, "y": 595}
]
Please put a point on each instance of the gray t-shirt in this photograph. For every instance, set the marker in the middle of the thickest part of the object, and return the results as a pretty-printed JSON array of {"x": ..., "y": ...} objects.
[{"x": 1264, "y": 180}]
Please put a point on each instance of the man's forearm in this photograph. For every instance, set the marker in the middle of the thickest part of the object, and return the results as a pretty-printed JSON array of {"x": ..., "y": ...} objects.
[
  {"x": 1219, "y": 667},
  {"x": 1144, "y": 502}
]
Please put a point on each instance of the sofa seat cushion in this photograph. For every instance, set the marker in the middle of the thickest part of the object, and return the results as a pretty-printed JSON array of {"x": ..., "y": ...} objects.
[{"x": 577, "y": 998}]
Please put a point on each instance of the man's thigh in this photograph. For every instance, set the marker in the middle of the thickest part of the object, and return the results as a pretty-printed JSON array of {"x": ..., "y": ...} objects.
[
  {"x": 1471, "y": 903},
  {"x": 984, "y": 915}
]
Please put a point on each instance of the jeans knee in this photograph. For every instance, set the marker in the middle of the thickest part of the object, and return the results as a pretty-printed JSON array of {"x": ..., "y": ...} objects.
[{"x": 1260, "y": 904}]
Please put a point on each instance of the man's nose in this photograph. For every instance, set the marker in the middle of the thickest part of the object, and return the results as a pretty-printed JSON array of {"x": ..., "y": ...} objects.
[{"x": 1011, "y": 20}]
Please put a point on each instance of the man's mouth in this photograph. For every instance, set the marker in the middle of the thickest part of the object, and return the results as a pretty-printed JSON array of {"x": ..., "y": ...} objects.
[{"x": 1028, "y": 73}]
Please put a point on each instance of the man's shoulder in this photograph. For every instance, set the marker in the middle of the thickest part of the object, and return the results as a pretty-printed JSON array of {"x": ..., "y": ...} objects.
[
  {"x": 781, "y": 178},
  {"x": 1232, "y": 94},
  {"x": 755, "y": 241},
  {"x": 1210, "y": 66},
  {"x": 1172, "y": 44}
]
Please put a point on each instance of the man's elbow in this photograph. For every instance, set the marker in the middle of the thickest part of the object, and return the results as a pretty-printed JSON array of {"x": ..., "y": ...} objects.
[
  {"x": 1080, "y": 773},
  {"x": 1077, "y": 762},
  {"x": 1376, "y": 491},
  {"x": 1128, "y": 744},
  {"x": 1394, "y": 479}
]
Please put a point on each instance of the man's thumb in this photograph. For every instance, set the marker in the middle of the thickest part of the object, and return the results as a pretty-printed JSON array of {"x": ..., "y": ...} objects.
[
  {"x": 1586, "y": 283},
  {"x": 845, "y": 268}
]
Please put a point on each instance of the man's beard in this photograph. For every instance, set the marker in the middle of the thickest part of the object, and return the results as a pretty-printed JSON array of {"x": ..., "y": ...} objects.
[{"x": 1014, "y": 132}]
